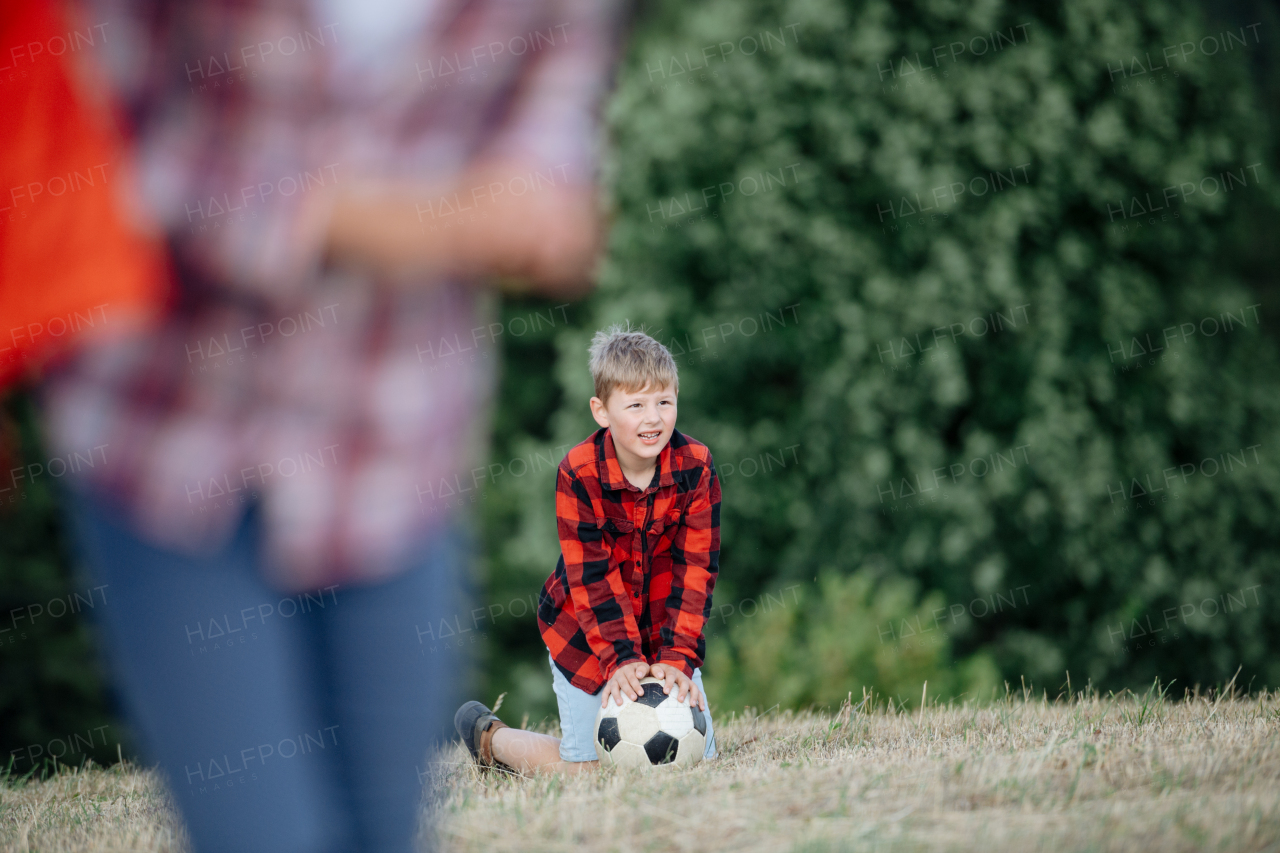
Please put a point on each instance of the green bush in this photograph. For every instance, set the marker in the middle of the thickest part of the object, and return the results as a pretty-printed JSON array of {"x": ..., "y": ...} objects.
[
  {"x": 52, "y": 699},
  {"x": 845, "y": 633},
  {"x": 929, "y": 313}
]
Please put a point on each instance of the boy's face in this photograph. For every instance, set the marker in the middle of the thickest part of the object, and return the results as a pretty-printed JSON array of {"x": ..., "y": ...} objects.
[{"x": 641, "y": 422}]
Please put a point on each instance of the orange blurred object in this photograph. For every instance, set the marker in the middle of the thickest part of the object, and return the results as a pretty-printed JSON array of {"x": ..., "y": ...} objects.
[{"x": 71, "y": 262}]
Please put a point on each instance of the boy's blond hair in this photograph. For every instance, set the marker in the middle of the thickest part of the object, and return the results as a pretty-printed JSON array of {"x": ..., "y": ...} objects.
[{"x": 631, "y": 360}]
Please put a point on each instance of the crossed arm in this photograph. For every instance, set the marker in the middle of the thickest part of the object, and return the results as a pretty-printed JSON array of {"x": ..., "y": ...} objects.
[{"x": 545, "y": 240}]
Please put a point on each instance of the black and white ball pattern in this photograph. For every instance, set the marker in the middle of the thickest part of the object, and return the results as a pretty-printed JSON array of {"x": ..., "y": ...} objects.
[{"x": 655, "y": 729}]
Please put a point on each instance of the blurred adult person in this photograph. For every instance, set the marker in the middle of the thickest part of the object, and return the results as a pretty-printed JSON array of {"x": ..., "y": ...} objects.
[{"x": 276, "y": 521}]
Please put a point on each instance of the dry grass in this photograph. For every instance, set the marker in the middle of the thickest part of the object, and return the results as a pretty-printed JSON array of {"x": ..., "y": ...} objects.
[
  {"x": 123, "y": 808},
  {"x": 1094, "y": 773}
]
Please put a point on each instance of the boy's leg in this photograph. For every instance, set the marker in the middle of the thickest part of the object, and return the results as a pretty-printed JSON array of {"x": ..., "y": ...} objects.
[
  {"x": 710, "y": 751},
  {"x": 530, "y": 752},
  {"x": 578, "y": 711}
]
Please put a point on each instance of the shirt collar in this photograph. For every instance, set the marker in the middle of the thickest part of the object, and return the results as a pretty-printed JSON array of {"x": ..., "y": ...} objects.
[{"x": 611, "y": 475}]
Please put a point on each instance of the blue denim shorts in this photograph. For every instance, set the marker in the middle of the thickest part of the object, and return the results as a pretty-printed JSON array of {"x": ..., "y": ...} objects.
[{"x": 578, "y": 710}]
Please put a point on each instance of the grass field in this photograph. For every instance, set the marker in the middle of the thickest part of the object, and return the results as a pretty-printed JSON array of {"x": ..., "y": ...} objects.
[{"x": 1123, "y": 773}]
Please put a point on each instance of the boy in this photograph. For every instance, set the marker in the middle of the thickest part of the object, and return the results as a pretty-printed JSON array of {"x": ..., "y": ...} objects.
[{"x": 638, "y": 512}]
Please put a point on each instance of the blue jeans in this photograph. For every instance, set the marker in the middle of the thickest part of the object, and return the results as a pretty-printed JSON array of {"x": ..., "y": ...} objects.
[
  {"x": 578, "y": 710},
  {"x": 282, "y": 722}
]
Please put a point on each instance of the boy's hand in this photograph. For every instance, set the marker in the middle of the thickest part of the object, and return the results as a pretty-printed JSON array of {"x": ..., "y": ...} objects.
[
  {"x": 673, "y": 676},
  {"x": 625, "y": 680}
]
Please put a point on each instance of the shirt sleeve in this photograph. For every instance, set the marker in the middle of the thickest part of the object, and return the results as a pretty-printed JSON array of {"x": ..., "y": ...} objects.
[
  {"x": 599, "y": 595},
  {"x": 695, "y": 563}
]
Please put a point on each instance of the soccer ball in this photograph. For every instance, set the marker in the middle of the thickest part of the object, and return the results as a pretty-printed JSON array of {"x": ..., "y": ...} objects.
[{"x": 654, "y": 730}]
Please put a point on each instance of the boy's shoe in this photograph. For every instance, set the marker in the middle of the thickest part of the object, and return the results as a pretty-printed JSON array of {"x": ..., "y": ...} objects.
[{"x": 476, "y": 724}]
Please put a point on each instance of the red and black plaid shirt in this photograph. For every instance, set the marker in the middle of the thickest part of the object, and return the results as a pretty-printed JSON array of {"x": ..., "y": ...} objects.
[{"x": 637, "y": 566}]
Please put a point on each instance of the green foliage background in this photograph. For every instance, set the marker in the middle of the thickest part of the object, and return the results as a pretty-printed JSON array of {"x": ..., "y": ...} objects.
[
  {"x": 52, "y": 695},
  {"x": 829, "y": 585},
  {"x": 818, "y": 251}
]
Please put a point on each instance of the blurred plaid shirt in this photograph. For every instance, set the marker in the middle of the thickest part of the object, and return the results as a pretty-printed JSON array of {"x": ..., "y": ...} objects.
[
  {"x": 637, "y": 566},
  {"x": 343, "y": 408}
]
